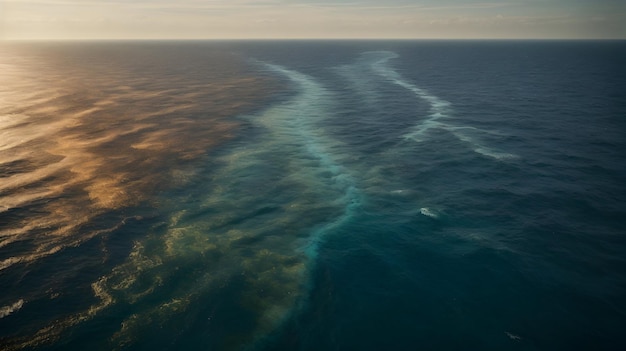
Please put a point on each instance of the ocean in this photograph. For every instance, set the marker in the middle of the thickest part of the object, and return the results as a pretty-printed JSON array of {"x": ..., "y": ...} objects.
[{"x": 313, "y": 195}]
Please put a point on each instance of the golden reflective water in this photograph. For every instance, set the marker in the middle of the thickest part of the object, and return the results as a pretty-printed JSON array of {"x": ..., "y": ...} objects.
[
  {"x": 87, "y": 130},
  {"x": 78, "y": 139}
]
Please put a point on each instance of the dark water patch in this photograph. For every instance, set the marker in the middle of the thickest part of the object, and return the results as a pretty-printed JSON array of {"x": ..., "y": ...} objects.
[{"x": 10, "y": 168}]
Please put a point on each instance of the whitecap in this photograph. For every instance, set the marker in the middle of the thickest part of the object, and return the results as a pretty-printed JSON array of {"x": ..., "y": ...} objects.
[
  {"x": 428, "y": 212},
  {"x": 513, "y": 336}
]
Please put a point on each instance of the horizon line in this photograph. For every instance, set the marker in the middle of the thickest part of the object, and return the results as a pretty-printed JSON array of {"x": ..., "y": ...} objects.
[{"x": 306, "y": 39}]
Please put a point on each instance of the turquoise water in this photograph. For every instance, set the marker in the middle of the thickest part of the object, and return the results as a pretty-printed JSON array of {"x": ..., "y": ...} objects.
[{"x": 313, "y": 195}]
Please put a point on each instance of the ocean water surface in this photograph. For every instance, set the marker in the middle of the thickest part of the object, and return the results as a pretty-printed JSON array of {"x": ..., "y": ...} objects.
[{"x": 313, "y": 195}]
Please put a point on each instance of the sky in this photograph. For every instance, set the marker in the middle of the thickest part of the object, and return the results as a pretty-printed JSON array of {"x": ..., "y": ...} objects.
[{"x": 249, "y": 19}]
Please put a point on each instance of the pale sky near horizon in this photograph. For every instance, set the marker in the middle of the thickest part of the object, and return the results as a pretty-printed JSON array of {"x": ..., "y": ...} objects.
[{"x": 238, "y": 19}]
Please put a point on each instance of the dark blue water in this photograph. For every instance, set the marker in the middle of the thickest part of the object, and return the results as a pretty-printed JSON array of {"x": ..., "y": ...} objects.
[{"x": 318, "y": 196}]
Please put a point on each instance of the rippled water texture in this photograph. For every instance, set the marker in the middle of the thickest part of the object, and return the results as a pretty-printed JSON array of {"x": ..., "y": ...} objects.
[
  {"x": 312, "y": 196},
  {"x": 90, "y": 131}
]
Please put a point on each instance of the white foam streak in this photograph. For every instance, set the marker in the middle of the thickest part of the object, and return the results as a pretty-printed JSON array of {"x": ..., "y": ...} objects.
[{"x": 439, "y": 109}]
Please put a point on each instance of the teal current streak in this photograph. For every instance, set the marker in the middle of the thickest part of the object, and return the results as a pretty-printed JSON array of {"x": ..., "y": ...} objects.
[{"x": 308, "y": 107}]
